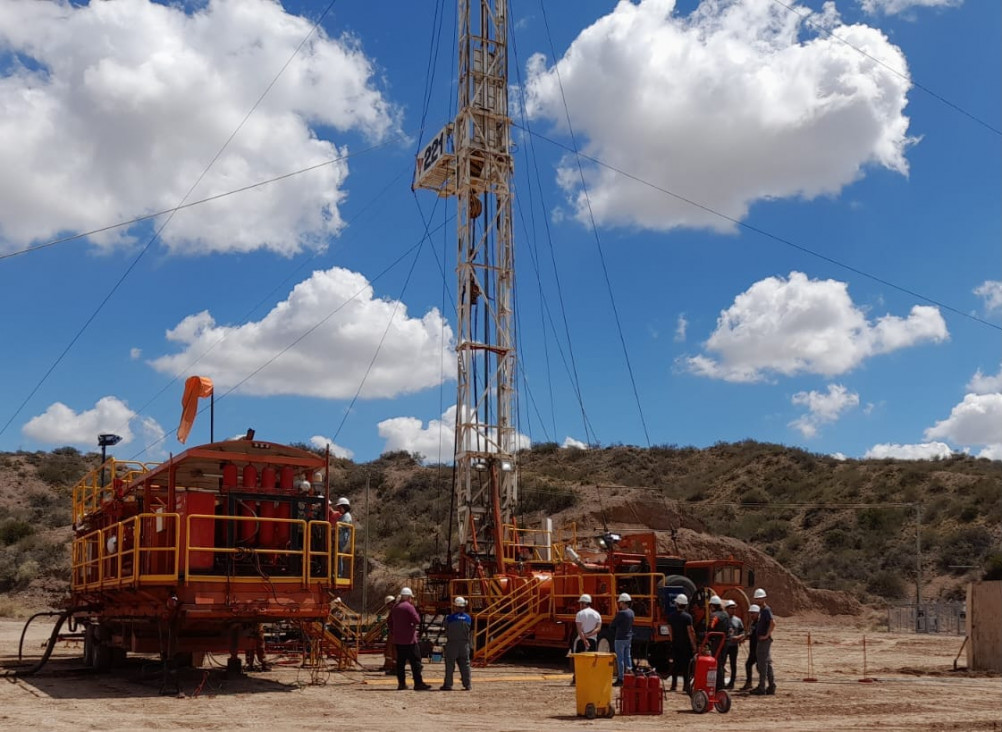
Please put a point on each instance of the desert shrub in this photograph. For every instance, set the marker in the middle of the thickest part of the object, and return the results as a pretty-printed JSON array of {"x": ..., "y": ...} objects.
[
  {"x": 12, "y": 530},
  {"x": 836, "y": 539},
  {"x": 993, "y": 567},
  {"x": 886, "y": 583},
  {"x": 545, "y": 448},
  {"x": 755, "y": 495},
  {"x": 773, "y": 530},
  {"x": 63, "y": 467},
  {"x": 964, "y": 547}
]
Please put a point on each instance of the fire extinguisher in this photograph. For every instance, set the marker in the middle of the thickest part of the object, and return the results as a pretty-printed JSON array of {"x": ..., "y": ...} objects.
[
  {"x": 641, "y": 695},
  {"x": 627, "y": 694},
  {"x": 655, "y": 694}
]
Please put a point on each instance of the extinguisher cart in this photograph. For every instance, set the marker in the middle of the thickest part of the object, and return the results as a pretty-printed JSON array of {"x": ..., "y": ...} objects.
[{"x": 705, "y": 694}]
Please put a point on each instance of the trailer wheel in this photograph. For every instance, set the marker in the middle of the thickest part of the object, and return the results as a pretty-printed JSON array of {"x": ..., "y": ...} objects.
[
  {"x": 610, "y": 712},
  {"x": 679, "y": 580},
  {"x": 700, "y": 701},
  {"x": 590, "y": 711},
  {"x": 723, "y": 702}
]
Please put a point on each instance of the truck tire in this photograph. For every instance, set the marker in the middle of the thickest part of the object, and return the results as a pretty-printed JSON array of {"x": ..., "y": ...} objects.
[{"x": 686, "y": 584}]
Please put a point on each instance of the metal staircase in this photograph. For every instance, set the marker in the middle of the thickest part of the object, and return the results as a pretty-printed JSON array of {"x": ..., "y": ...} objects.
[{"x": 501, "y": 625}]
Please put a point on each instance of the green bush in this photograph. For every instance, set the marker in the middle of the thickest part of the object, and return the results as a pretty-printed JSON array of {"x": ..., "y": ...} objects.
[
  {"x": 887, "y": 584},
  {"x": 12, "y": 531}
]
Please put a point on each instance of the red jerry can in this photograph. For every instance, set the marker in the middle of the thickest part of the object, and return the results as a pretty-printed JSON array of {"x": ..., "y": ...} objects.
[
  {"x": 655, "y": 696},
  {"x": 627, "y": 694}
]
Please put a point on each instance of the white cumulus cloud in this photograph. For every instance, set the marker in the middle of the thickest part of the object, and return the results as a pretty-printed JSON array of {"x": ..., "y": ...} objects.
[
  {"x": 113, "y": 109},
  {"x": 923, "y": 451},
  {"x": 982, "y": 383},
  {"x": 894, "y": 7},
  {"x": 796, "y": 325},
  {"x": 991, "y": 292},
  {"x": 322, "y": 443},
  {"x": 681, "y": 325},
  {"x": 436, "y": 442},
  {"x": 62, "y": 425},
  {"x": 320, "y": 343},
  {"x": 977, "y": 420},
  {"x": 822, "y": 407},
  {"x": 735, "y": 103},
  {"x": 571, "y": 442}
]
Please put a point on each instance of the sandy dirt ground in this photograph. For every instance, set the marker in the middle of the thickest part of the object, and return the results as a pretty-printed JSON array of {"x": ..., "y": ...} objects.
[{"x": 914, "y": 688}]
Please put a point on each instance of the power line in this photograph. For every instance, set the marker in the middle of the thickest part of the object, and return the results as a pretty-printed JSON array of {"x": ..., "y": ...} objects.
[{"x": 767, "y": 234}]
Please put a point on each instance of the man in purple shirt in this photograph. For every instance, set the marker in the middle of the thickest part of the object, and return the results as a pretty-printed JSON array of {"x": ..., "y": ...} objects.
[{"x": 404, "y": 622}]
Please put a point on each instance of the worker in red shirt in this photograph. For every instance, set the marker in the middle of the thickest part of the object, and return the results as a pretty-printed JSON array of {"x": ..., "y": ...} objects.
[{"x": 404, "y": 624}]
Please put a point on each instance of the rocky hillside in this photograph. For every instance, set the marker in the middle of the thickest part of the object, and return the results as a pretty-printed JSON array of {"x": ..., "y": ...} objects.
[{"x": 821, "y": 533}]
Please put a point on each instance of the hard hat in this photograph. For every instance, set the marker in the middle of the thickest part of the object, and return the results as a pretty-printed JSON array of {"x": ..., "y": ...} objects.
[
  {"x": 407, "y": 592},
  {"x": 585, "y": 598},
  {"x": 460, "y": 602},
  {"x": 625, "y": 598},
  {"x": 305, "y": 485},
  {"x": 759, "y": 593},
  {"x": 343, "y": 502},
  {"x": 730, "y": 603},
  {"x": 389, "y": 599},
  {"x": 681, "y": 600},
  {"x": 754, "y": 609},
  {"x": 715, "y": 600}
]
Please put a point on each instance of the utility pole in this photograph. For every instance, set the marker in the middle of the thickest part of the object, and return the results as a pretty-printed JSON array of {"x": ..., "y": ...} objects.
[
  {"x": 918, "y": 567},
  {"x": 470, "y": 159}
]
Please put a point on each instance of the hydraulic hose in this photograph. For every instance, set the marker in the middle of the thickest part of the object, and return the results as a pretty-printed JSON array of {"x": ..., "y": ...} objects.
[{"x": 53, "y": 639}]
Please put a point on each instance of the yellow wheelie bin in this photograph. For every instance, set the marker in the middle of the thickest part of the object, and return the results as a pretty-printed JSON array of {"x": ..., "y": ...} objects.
[{"x": 593, "y": 674}]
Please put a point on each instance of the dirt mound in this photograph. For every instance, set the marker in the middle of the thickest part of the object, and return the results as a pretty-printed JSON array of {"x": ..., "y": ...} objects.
[{"x": 622, "y": 509}]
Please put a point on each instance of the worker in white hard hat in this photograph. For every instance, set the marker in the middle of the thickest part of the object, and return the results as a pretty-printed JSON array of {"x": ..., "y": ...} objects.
[
  {"x": 587, "y": 624},
  {"x": 718, "y": 629},
  {"x": 737, "y": 635},
  {"x": 404, "y": 624},
  {"x": 621, "y": 630},
  {"x": 752, "y": 637},
  {"x": 763, "y": 663},
  {"x": 458, "y": 630},
  {"x": 339, "y": 516},
  {"x": 683, "y": 642}
]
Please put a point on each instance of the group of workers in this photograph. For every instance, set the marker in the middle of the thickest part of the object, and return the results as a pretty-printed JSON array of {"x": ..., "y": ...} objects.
[{"x": 725, "y": 632}]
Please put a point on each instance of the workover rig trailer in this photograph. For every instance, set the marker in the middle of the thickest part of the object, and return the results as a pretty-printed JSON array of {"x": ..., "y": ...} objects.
[
  {"x": 522, "y": 584},
  {"x": 191, "y": 555}
]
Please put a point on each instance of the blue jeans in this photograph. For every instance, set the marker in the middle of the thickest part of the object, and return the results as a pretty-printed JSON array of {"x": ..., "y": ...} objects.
[{"x": 624, "y": 660}]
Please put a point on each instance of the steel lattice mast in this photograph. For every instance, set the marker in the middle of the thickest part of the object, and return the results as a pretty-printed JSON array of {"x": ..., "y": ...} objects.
[{"x": 471, "y": 160}]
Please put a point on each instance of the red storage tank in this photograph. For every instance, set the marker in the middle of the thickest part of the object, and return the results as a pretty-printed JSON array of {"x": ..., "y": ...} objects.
[
  {"x": 266, "y": 537},
  {"x": 229, "y": 476},
  {"x": 250, "y": 478},
  {"x": 197, "y": 531},
  {"x": 286, "y": 479}
]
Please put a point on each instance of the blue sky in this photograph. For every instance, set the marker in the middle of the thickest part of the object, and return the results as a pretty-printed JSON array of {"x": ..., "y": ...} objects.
[{"x": 797, "y": 205}]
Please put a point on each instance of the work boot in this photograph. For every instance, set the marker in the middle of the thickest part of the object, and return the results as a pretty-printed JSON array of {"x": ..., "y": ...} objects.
[
  {"x": 445, "y": 688},
  {"x": 747, "y": 686},
  {"x": 757, "y": 691},
  {"x": 422, "y": 687},
  {"x": 730, "y": 684},
  {"x": 771, "y": 690},
  {"x": 401, "y": 687},
  {"x": 617, "y": 682}
]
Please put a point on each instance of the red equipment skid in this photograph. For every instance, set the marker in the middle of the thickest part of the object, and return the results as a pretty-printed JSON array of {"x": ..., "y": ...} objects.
[{"x": 190, "y": 555}]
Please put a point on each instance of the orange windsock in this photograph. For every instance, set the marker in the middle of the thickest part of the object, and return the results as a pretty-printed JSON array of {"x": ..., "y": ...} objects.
[{"x": 194, "y": 388}]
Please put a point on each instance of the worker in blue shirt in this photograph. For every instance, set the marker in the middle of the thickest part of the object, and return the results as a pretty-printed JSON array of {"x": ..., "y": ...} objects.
[{"x": 458, "y": 629}]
